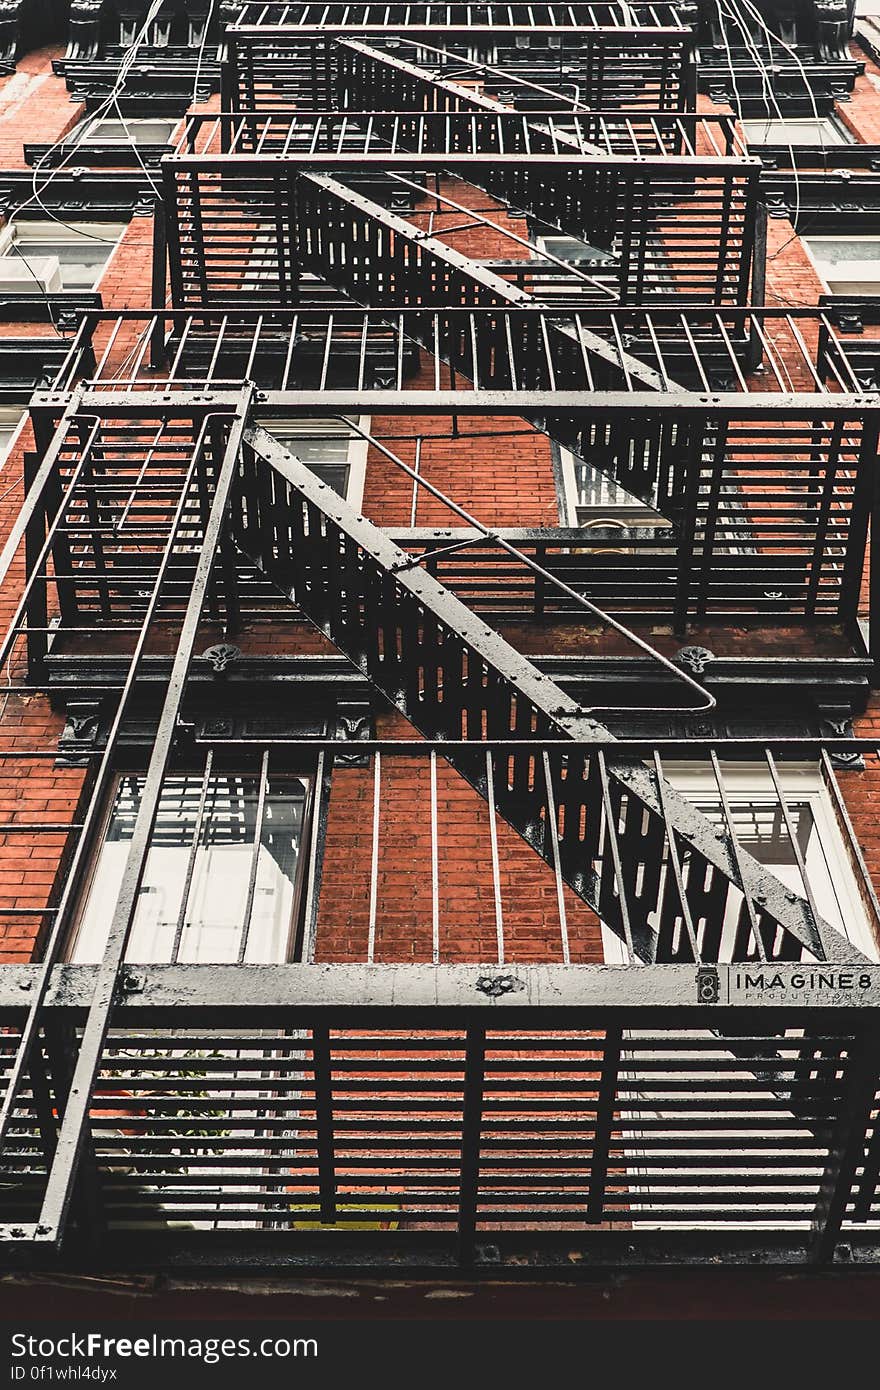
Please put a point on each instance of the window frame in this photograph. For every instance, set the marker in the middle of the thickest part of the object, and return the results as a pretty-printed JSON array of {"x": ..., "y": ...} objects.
[
  {"x": 869, "y": 286},
  {"x": 94, "y": 132},
  {"x": 17, "y": 416},
  {"x": 801, "y": 782},
  {"x": 311, "y": 845},
  {"x": 840, "y": 135},
  {"x": 628, "y": 516},
  {"x": 358, "y": 446},
  {"x": 37, "y": 230}
]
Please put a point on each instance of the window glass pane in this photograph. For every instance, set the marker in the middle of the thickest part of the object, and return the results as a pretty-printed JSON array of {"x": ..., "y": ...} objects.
[
  {"x": 794, "y": 132},
  {"x": 8, "y": 426},
  {"x": 845, "y": 250},
  {"x": 761, "y": 830},
  {"x": 325, "y": 450},
  {"x": 80, "y": 265},
  {"x": 218, "y": 873},
  {"x": 129, "y": 132},
  {"x": 81, "y": 253},
  {"x": 595, "y": 493},
  {"x": 568, "y": 248},
  {"x": 594, "y": 497}
]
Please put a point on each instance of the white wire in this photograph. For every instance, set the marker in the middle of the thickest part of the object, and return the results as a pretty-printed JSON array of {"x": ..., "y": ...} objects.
[
  {"x": 767, "y": 87},
  {"x": 109, "y": 101},
  {"x": 85, "y": 127},
  {"x": 775, "y": 38},
  {"x": 210, "y": 16}
]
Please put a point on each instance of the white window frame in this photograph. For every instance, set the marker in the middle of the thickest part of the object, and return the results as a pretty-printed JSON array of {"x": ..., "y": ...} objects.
[
  {"x": 866, "y": 274},
  {"x": 89, "y": 131},
  {"x": 624, "y": 515},
  {"x": 833, "y": 133},
  {"x": 542, "y": 243},
  {"x": 14, "y": 416},
  {"x": 358, "y": 446},
  {"x": 49, "y": 231},
  {"x": 803, "y": 783},
  {"x": 85, "y": 939}
]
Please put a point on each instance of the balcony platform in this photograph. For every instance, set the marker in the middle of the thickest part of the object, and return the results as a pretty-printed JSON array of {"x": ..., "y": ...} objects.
[{"x": 463, "y": 1118}]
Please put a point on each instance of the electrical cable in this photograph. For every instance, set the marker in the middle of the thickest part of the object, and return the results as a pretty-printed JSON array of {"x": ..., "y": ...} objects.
[
  {"x": 766, "y": 84},
  {"x": 86, "y": 126}
]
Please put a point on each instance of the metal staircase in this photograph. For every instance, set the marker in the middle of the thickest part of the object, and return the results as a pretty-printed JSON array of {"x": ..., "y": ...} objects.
[
  {"x": 377, "y": 257},
  {"x": 670, "y": 884},
  {"x": 162, "y": 516}
]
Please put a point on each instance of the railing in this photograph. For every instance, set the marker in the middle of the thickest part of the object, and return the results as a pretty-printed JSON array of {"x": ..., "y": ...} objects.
[
  {"x": 768, "y": 489},
  {"x": 732, "y": 352},
  {"x": 624, "y": 135},
  {"x": 242, "y": 227},
  {"x": 253, "y": 1116},
  {"x": 604, "y": 67},
  {"x": 396, "y": 16},
  {"x": 670, "y": 881}
]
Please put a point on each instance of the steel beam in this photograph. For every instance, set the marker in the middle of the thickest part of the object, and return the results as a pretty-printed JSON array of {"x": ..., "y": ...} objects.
[{"x": 760, "y": 995}]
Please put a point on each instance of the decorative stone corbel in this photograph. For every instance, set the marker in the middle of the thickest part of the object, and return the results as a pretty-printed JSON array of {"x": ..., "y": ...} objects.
[
  {"x": 83, "y": 29},
  {"x": 835, "y": 721},
  {"x": 83, "y": 734}
]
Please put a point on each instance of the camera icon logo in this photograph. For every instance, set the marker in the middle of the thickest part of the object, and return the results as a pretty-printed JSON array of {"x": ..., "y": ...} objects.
[{"x": 708, "y": 985}]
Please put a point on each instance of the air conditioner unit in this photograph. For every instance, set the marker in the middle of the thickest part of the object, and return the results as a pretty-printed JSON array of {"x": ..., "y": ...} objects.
[{"x": 36, "y": 275}]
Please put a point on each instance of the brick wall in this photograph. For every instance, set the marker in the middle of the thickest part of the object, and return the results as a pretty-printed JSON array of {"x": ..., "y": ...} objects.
[{"x": 34, "y": 106}]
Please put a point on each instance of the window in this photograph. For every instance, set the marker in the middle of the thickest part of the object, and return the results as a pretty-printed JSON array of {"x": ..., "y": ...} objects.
[
  {"x": 848, "y": 265},
  {"x": 568, "y": 248},
  {"x": 592, "y": 501},
  {"x": 580, "y": 254},
  {"x": 329, "y": 448},
  {"x": 761, "y": 829},
  {"x": 665, "y": 1154},
  {"x": 42, "y": 256},
  {"x": 222, "y": 876},
  {"x": 128, "y": 132},
  {"x": 797, "y": 130},
  {"x": 11, "y": 417}
]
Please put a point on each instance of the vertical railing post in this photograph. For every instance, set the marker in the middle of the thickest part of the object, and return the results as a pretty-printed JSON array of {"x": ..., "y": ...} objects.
[
  {"x": 471, "y": 1130},
  {"x": 846, "y": 1149},
  {"x": 324, "y": 1123},
  {"x": 873, "y": 464},
  {"x": 157, "y": 287}
]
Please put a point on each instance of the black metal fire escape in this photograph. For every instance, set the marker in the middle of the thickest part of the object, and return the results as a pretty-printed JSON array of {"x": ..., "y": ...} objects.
[{"x": 160, "y": 504}]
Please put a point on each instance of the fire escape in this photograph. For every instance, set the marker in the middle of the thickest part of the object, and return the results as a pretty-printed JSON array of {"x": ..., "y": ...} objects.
[{"x": 712, "y": 1094}]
